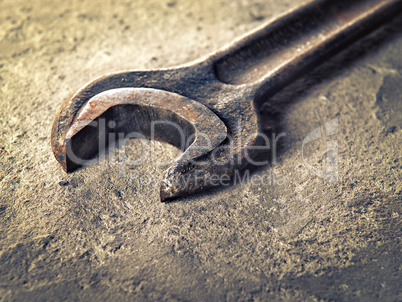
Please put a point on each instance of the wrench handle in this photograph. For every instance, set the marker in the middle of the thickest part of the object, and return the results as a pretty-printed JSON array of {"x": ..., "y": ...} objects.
[{"x": 281, "y": 50}]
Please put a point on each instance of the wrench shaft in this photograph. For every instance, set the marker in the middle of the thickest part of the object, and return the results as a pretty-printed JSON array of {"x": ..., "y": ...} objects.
[{"x": 279, "y": 51}]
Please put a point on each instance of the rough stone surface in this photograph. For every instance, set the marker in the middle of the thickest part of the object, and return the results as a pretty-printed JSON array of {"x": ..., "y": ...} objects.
[{"x": 102, "y": 234}]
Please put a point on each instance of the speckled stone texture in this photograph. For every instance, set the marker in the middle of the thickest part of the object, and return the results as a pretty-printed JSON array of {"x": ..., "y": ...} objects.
[{"x": 102, "y": 234}]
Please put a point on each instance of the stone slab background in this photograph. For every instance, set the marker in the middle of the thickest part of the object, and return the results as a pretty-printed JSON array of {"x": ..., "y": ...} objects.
[{"x": 93, "y": 235}]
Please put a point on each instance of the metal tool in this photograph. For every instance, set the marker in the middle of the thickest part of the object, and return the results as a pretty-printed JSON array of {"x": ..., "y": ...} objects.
[{"x": 213, "y": 100}]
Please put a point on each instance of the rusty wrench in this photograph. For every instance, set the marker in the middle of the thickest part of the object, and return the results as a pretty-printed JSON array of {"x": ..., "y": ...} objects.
[{"x": 214, "y": 100}]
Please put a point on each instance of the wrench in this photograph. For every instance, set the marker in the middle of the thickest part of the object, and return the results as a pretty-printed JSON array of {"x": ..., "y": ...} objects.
[{"x": 212, "y": 102}]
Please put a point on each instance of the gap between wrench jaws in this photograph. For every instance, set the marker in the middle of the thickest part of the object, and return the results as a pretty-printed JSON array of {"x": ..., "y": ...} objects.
[{"x": 214, "y": 101}]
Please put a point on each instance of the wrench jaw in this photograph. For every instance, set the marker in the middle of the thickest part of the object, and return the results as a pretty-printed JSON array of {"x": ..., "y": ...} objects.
[
  {"x": 210, "y": 171},
  {"x": 143, "y": 113},
  {"x": 221, "y": 166},
  {"x": 177, "y": 182},
  {"x": 212, "y": 150},
  {"x": 189, "y": 178},
  {"x": 68, "y": 111},
  {"x": 214, "y": 139},
  {"x": 64, "y": 118}
]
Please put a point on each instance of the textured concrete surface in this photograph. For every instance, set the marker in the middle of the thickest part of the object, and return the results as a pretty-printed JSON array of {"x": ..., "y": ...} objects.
[{"x": 94, "y": 235}]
